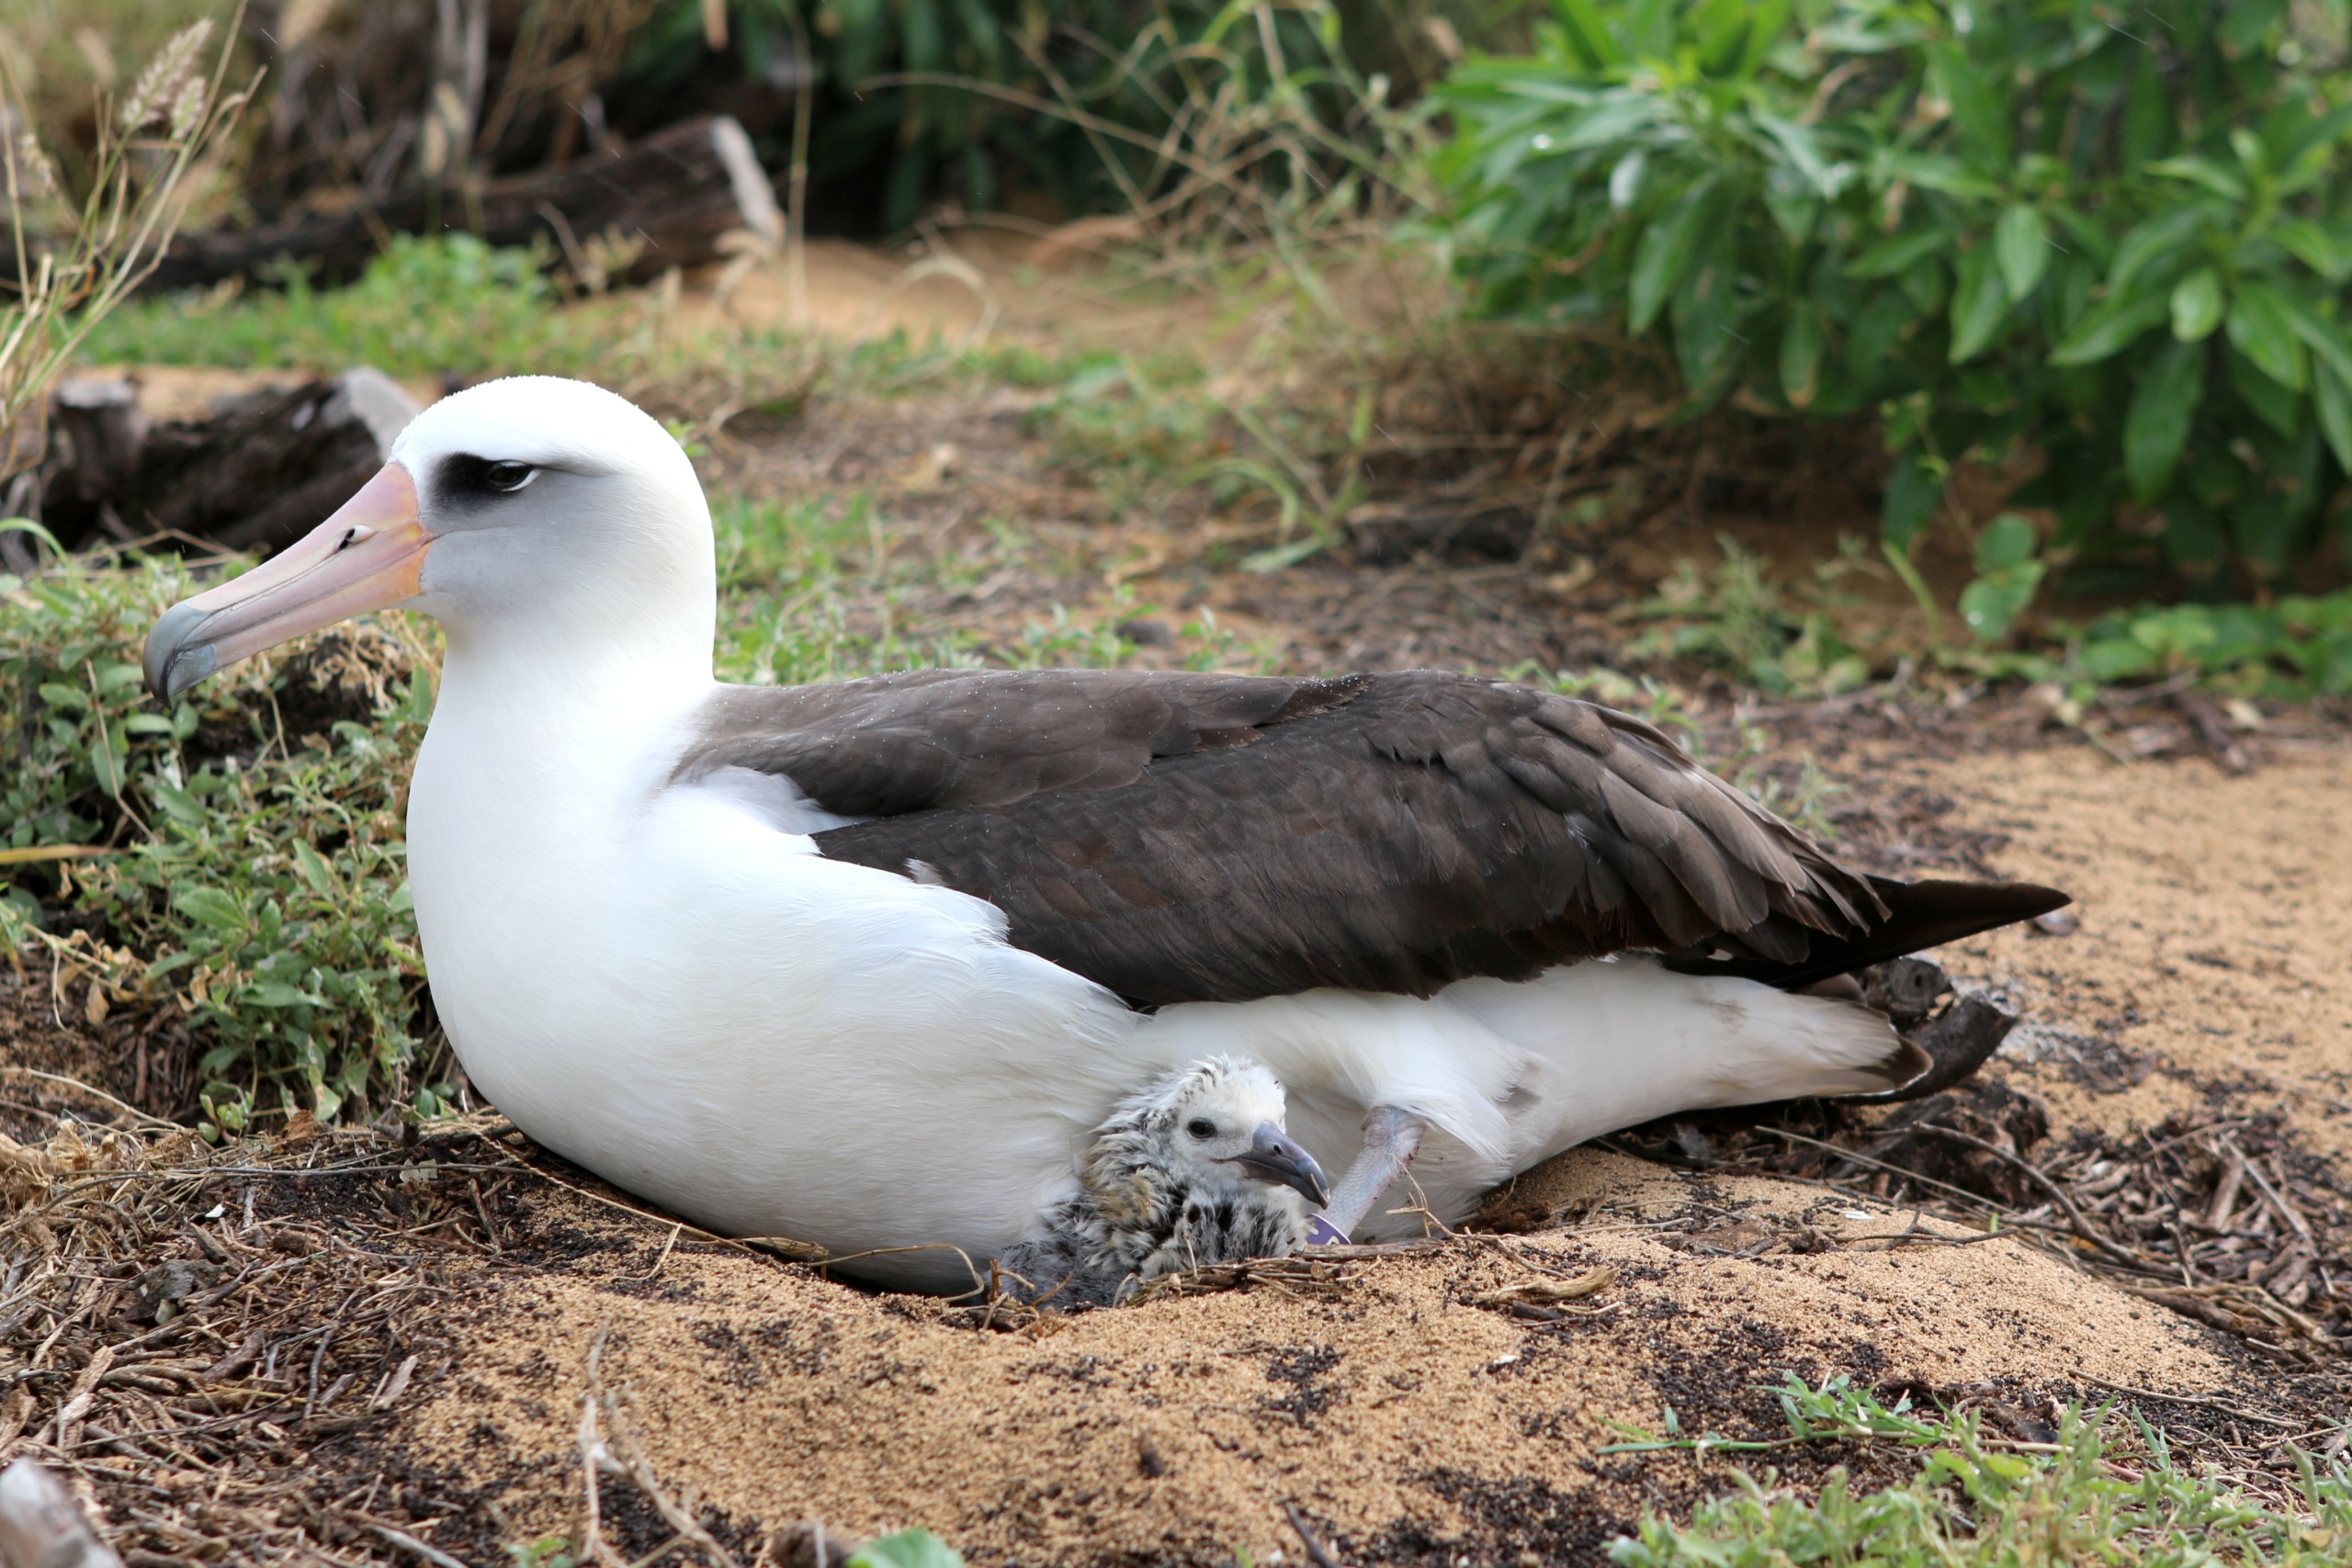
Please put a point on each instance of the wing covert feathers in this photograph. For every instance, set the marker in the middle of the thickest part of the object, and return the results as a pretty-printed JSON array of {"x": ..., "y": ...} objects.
[{"x": 1182, "y": 837}]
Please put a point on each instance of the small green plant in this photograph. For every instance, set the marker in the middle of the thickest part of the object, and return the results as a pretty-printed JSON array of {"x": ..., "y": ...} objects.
[
  {"x": 246, "y": 879},
  {"x": 1738, "y": 619},
  {"x": 2121, "y": 246},
  {"x": 908, "y": 1549},
  {"x": 1982, "y": 1502}
]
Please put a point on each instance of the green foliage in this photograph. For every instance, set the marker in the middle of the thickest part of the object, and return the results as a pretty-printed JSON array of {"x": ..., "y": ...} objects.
[
  {"x": 2293, "y": 647},
  {"x": 2124, "y": 245},
  {"x": 1980, "y": 1502},
  {"x": 256, "y": 878},
  {"x": 1738, "y": 619},
  {"x": 908, "y": 1549}
]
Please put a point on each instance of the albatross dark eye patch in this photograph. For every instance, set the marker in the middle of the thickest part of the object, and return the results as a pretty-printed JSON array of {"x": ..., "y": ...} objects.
[{"x": 465, "y": 478}]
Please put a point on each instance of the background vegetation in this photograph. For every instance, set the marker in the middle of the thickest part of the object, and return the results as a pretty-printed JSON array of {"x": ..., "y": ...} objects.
[{"x": 2104, "y": 258}]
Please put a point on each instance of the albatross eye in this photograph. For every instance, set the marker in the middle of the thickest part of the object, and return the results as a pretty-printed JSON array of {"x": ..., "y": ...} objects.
[
  {"x": 1200, "y": 1127},
  {"x": 508, "y": 477}
]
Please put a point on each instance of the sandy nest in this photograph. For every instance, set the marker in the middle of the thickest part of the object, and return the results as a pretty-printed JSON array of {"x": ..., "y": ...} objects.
[{"x": 378, "y": 1351}]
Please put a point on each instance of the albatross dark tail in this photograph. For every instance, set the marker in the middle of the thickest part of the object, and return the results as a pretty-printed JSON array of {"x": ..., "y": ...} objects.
[{"x": 1919, "y": 915}]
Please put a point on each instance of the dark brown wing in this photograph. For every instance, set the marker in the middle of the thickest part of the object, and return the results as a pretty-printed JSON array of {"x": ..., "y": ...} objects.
[
  {"x": 934, "y": 739},
  {"x": 1185, "y": 837}
]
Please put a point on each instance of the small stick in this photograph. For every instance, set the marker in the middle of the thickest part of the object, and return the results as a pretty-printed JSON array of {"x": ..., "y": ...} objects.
[
  {"x": 1317, "y": 1552},
  {"x": 2082, "y": 1227},
  {"x": 2226, "y": 1192}
]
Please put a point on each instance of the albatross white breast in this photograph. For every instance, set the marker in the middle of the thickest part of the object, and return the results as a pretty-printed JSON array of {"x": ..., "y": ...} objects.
[{"x": 865, "y": 964}]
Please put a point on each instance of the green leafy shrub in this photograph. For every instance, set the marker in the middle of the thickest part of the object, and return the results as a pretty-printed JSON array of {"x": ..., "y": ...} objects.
[
  {"x": 2118, "y": 244},
  {"x": 249, "y": 879}
]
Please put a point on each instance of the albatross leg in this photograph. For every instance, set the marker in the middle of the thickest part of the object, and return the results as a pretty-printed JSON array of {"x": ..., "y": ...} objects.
[{"x": 1390, "y": 1138}]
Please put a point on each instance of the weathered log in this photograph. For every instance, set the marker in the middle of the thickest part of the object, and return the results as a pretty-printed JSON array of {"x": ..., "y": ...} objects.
[
  {"x": 42, "y": 1527},
  {"x": 255, "y": 477},
  {"x": 661, "y": 203}
]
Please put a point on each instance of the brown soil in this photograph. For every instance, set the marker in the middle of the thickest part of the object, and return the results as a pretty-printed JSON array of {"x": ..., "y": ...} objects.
[{"x": 1407, "y": 1422}]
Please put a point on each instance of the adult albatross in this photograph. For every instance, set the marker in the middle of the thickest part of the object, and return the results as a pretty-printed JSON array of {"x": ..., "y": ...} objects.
[{"x": 864, "y": 964}]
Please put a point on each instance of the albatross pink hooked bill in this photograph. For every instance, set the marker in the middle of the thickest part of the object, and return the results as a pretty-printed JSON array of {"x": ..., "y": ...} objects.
[{"x": 864, "y": 963}]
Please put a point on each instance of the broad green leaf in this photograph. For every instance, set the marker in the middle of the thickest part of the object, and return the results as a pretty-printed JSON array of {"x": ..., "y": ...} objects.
[
  {"x": 2151, "y": 243},
  {"x": 1913, "y": 490},
  {"x": 273, "y": 994},
  {"x": 1803, "y": 154},
  {"x": 2314, "y": 247},
  {"x": 147, "y": 723},
  {"x": 2110, "y": 328},
  {"x": 2324, "y": 337},
  {"x": 908, "y": 1549},
  {"x": 2261, "y": 329},
  {"x": 2008, "y": 540},
  {"x": 1586, "y": 33},
  {"x": 105, "y": 762},
  {"x": 2332, "y": 400},
  {"x": 1889, "y": 257},
  {"x": 177, "y": 803},
  {"x": 314, "y": 871},
  {"x": 58, "y": 694},
  {"x": 2220, "y": 180},
  {"x": 1992, "y": 603},
  {"x": 2021, "y": 242},
  {"x": 209, "y": 906},
  {"x": 1767, "y": 21},
  {"x": 1665, "y": 254},
  {"x": 1979, "y": 300},
  {"x": 1802, "y": 342},
  {"x": 2163, "y": 405},
  {"x": 1976, "y": 108},
  {"x": 2197, "y": 305},
  {"x": 1721, "y": 26}
]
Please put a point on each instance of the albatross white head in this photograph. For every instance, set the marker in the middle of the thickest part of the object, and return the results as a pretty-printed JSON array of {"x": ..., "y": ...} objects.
[{"x": 544, "y": 522}]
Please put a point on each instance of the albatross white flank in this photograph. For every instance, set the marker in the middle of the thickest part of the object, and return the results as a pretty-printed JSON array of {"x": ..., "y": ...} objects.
[{"x": 865, "y": 964}]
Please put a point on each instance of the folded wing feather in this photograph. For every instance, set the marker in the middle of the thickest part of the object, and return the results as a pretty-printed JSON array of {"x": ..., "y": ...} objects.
[{"x": 1182, "y": 837}]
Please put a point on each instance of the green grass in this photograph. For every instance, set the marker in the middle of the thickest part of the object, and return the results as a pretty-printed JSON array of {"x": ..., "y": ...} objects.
[{"x": 2110, "y": 1491}]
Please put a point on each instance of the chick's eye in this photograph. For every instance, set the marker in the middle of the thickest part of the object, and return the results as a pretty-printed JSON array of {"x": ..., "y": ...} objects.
[
  {"x": 1200, "y": 1127},
  {"x": 507, "y": 477}
]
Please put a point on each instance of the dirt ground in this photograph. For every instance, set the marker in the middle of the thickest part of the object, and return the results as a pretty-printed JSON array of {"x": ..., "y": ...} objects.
[
  {"x": 448, "y": 1310},
  {"x": 343, "y": 1346}
]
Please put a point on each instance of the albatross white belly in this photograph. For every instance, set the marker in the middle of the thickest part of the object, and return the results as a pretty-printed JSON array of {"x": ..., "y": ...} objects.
[{"x": 665, "y": 987}]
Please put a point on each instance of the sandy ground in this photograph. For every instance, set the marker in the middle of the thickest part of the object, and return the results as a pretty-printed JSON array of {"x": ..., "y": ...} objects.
[{"x": 1405, "y": 1421}]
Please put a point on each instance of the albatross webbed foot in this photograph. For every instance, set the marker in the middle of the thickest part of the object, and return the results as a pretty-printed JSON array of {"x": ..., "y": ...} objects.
[{"x": 1390, "y": 1139}]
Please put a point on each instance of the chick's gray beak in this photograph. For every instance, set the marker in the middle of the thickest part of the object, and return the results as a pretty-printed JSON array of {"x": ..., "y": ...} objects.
[{"x": 1272, "y": 1157}]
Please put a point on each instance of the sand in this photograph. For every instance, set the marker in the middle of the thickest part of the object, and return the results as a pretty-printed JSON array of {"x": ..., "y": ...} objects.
[{"x": 1407, "y": 1423}]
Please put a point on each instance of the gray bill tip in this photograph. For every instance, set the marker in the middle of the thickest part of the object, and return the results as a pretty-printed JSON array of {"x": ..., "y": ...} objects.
[
  {"x": 1274, "y": 1159},
  {"x": 174, "y": 661}
]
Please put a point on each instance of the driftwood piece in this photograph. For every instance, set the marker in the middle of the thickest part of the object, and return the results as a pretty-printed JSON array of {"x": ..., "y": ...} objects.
[
  {"x": 42, "y": 1527},
  {"x": 661, "y": 203},
  {"x": 255, "y": 477}
]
